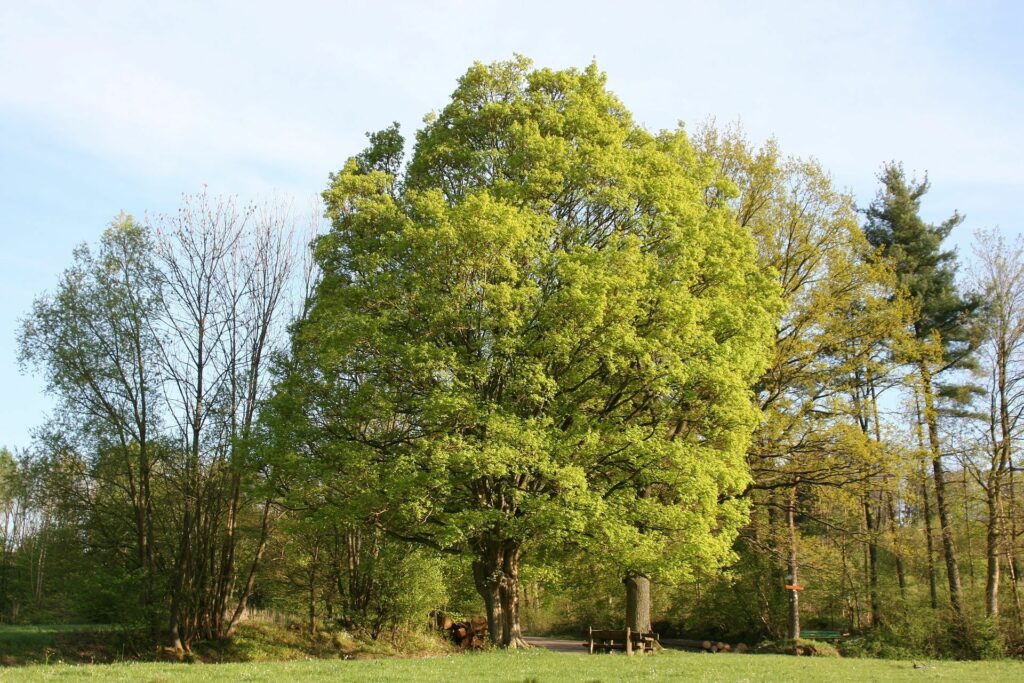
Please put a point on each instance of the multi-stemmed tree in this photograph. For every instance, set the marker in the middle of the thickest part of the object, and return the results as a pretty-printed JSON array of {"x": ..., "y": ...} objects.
[{"x": 156, "y": 347}]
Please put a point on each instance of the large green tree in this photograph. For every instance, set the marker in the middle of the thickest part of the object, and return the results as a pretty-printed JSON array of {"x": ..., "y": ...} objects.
[{"x": 538, "y": 333}]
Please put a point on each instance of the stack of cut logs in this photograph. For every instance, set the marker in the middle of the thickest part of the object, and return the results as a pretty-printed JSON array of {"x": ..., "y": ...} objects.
[
  {"x": 466, "y": 635},
  {"x": 707, "y": 645},
  {"x": 717, "y": 646}
]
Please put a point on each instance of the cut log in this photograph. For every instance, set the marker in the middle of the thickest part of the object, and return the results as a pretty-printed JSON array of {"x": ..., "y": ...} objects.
[{"x": 468, "y": 634}]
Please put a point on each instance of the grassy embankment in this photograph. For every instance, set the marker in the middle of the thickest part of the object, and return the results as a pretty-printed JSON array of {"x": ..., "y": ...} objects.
[{"x": 262, "y": 641}]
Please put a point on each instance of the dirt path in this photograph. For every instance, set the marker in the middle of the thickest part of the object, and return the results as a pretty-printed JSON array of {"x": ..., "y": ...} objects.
[{"x": 558, "y": 645}]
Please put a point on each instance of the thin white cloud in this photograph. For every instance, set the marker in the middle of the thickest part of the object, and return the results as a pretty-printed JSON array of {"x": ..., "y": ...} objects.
[{"x": 194, "y": 89}]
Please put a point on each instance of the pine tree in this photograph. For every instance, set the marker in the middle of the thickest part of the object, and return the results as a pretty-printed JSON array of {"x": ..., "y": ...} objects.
[{"x": 942, "y": 325}]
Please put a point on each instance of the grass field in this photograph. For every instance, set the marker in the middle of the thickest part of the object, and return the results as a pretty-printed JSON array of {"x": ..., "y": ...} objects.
[{"x": 541, "y": 667}]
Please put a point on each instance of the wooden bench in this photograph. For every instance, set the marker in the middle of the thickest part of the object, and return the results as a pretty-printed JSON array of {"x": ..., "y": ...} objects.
[{"x": 606, "y": 640}]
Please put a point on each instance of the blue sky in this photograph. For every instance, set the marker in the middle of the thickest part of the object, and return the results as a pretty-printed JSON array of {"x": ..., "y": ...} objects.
[{"x": 108, "y": 106}]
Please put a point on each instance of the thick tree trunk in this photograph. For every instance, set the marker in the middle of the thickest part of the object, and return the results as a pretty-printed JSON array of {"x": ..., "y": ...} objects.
[
  {"x": 496, "y": 576},
  {"x": 941, "y": 501},
  {"x": 512, "y": 634},
  {"x": 638, "y": 603},
  {"x": 487, "y": 579},
  {"x": 792, "y": 575}
]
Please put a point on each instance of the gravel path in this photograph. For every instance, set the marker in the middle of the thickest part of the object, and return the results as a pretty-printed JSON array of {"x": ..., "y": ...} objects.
[{"x": 558, "y": 645}]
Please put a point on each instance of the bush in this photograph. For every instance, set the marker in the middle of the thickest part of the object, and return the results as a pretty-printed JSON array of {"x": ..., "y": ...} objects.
[
  {"x": 878, "y": 644},
  {"x": 800, "y": 647},
  {"x": 410, "y": 586},
  {"x": 987, "y": 640}
]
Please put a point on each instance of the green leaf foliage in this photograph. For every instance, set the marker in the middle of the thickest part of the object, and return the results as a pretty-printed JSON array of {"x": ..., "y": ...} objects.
[
  {"x": 924, "y": 270},
  {"x": 540, "y": 332}
]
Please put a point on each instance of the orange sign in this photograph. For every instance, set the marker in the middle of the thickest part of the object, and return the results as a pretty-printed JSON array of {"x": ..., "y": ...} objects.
[{"x": 794, "y": 588}]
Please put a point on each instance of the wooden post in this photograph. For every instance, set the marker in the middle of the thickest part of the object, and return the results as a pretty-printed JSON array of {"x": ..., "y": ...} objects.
[{"x": 629, "y": 643}]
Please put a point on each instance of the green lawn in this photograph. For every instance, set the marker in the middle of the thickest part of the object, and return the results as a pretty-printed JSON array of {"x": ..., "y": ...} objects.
[{"x": 541, "y": 667}]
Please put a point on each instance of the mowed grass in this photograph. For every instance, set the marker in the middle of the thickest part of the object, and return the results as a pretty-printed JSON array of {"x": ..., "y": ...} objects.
[{"x": 537, "y": 666}]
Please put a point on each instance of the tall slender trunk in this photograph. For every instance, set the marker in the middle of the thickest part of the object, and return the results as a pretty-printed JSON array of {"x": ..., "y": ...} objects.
[
  {"x": 901, "y": 572},
  {"x": 145, "y": 504},
  {"x": 177, "y": 611},
  {"x": 792, "y": 575},
  {"x": 929, "y": 535},
  {"x": 851, "y": 610},
  {"x": 941, "y": 501},
  {"x": 872, "y": 548},
  {"x": 40, "y": 565},
  {"x": 9, "y": 529},
  {"x": 182, "y": 618},
  {"x": 967, "y": 530},
  {"x": 250, "y": 581},
  {"x": 1012, "y": 571},
  {"x": 1001, "y": 463},
  {"x": 901, "y": 576},
  {"x": 992, "y": 556},
  {"x": 1012, "y": 563},
  {"x": 312, "y": 576}
]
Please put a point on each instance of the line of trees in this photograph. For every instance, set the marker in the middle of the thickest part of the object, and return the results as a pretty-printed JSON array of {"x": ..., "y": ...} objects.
[{"x": 551, "y": 363}]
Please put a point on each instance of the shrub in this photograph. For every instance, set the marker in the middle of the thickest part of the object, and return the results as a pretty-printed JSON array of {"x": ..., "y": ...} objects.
[{"x": 799, "y": 647}]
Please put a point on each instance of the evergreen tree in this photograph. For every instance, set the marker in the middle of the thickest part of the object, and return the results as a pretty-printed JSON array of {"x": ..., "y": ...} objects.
[{"x": 943, "y": 318}]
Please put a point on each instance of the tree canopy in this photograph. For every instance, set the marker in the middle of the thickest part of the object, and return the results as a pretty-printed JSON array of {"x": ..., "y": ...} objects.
[{"x": 538, "y": 333}]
